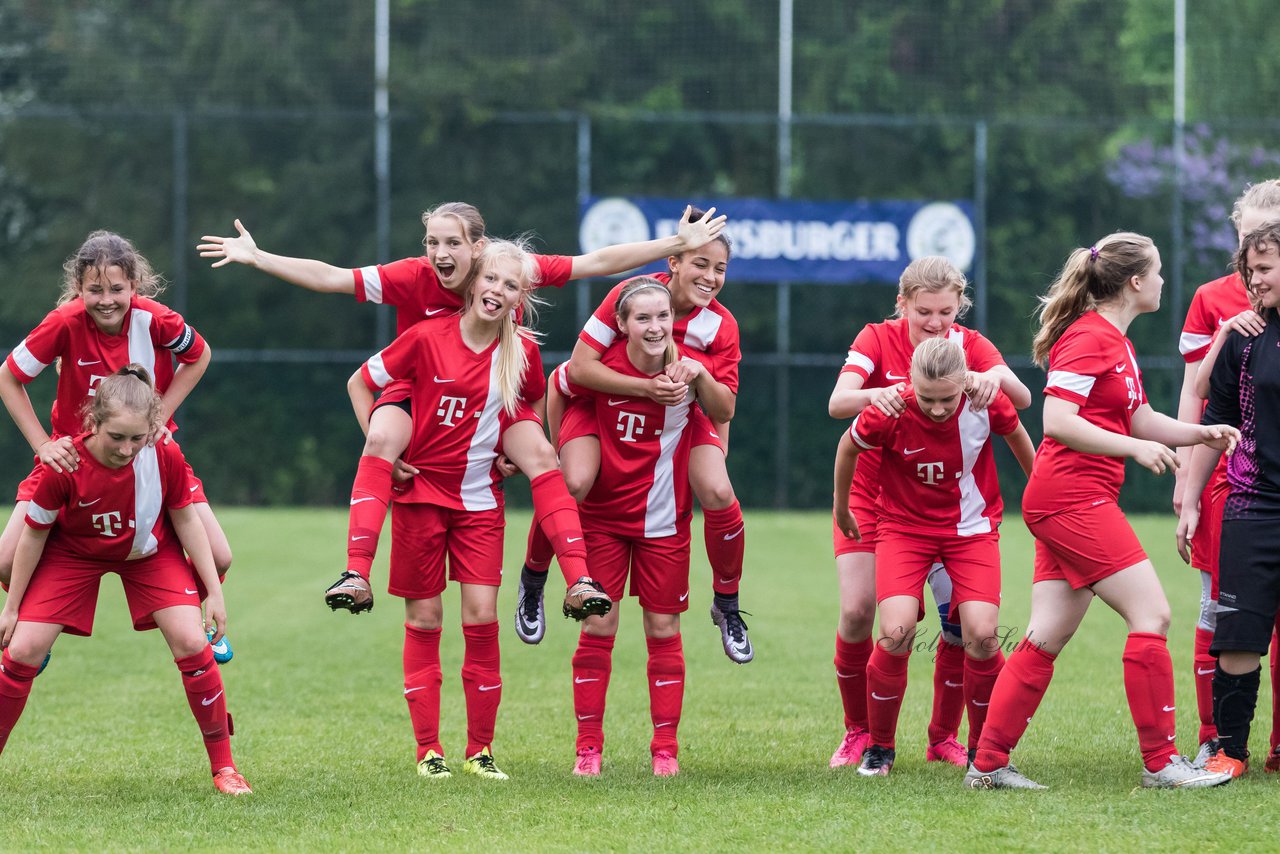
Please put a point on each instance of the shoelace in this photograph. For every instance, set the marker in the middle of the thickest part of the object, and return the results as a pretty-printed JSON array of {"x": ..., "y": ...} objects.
[
  {"x": 735, "y": 625},
  {"x": 436, "y": 764},
  {"x": 529, "y": 604},
  {"x": 485, "y": 762}
]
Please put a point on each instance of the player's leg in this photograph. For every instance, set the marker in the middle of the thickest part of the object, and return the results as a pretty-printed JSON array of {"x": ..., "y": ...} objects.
[
  {"x": 665, "y": 672},
  {"x": 887, "y": 679},
  {"x": 422, "y": 680},
  {"x": 19, "y": 665},
  {"x": 948, "y": 677},
  {"x": 183, "y": 630},
  {"x": 390, "y": 429},
  {"x": 856, "y": 572},
  {"x": 725, "y": 535},
  {"x": 1203, "y": 665}
]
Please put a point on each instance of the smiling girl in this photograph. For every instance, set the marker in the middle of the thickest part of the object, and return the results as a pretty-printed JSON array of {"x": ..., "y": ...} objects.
[{"x": 125, "y": 508}]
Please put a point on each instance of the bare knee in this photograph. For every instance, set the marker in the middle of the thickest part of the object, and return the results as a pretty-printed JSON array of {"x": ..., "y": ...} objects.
[
  {"x": 716, "y": 496},
  {"x": 856, "y": 622},
  {"x": 383, "y": 444},
  {"x": 188, "y": 644},
  {"x": 579, "y": 482},
  {"x": 1155, "y": 622}
]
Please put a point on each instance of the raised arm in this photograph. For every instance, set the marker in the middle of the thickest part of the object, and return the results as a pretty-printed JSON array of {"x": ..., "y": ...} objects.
[
  {"x": 1063, "y": 423},
  {"x": 611, "y": 260},
  {"x": 60, "y": 454},
  {"x": 303, "y": 272},
  {"x": 586, "y": 369},
  {"x": 849, "y": 397}
]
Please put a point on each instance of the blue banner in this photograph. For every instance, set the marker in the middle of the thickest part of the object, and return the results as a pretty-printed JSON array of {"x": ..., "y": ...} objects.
[{"x": 797, "y": 240}]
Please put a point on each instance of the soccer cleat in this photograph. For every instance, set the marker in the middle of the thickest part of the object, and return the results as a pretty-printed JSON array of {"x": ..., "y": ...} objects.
[
  {"x": 1221, "y": 763},
  {"x": 1205, "y": 752},
  {"x": 876, "y": 761},
  {"x": 586, "y": 598},
  {"x": 665, "y": 765},
  {"x": 1004, "y": 777},
  {"x": 48, "y": 655},
  {"x": 222, "y": 652},
  {"x": 229, "y": 782},
  {"x": 350, "y": 592},
  {"x": 588, "y": 764},
  {"x": 850, "y": 750},
  {"x": 733, "y": 634},
  {"x": 1273, "y": 761},
  {"x": 948, "y": 750},
  {"x": 433, "y": 766},
  {"x": 1181, "y": 774},
  {"x": 482, "y": 765},
  {"x": 531, "y": 620}
]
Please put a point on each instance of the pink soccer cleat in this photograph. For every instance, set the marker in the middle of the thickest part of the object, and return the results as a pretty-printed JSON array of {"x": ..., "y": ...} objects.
[
  {"x": 588, "y": 764},
  {"x": 850, "y": 750},
  {"x": 665, "y": 765},
  {"x": 229, "y": 782},
  {"x": 948, "y": 750}
]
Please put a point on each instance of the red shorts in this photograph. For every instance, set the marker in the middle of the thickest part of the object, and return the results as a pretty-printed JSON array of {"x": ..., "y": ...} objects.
[
  {"x": 903, "y": 562},
  {"x": 396, "y": 392},
  {"x": 865, "y": 515},
  {"x": 578, "y": 420},
  {"x": 1085, "y": 544},
  {"x": 421, "y": 536},
  {"x": 704, "y": 431},
  {"x": 27, "y": 488},
  {"x": 64, "y": 588},
  {"x": 1208, "y": 539},
  {"x": 659, "y": 567}
]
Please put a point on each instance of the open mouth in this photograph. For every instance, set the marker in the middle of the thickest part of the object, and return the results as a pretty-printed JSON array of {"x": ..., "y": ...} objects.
[
  {"x": 445, "y": 269},
  {"x": 491, "y": 305}
]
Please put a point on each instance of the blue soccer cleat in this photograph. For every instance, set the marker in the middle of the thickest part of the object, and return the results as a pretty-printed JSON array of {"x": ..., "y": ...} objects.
[{"x": 221, "y": 650}]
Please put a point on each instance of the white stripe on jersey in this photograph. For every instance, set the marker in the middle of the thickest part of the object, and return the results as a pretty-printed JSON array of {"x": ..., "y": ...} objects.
[
  {"x": 1078, "y": 383},
  {"x": 853, "y": 434},
  {"x": 1133, "y": 363},
  {"x": 1189, "y": 341},
  {"x": 702, "y": 329},
  {"x": 26, "y": 362},
  {"x": 975, "y": 430},
  {"x": 477, "y": 483},
  {"x": 372, "y": 284},
  {"x": 378, "y": 370},
  {"x": 39, "y": 515},
  {"x": 857, "y": 360},
  {"x": 148, "y": 502},
  {"x": 561, "y": 378},
  {"x": 599, "y": 332},
  {"x": 141, "y": 349},
  {"x": 660, "y": 504}
]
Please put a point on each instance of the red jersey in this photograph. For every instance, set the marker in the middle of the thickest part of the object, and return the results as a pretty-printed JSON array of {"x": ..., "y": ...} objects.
[
  {"x": 1213, "y": 304},
  {"x": 939, "y": 477},
  {"x": 107, "y": 514},
  {"x": 1093, "y": 366},
  {"x": 458, "y": 416},
  {"x": 881, "y": 355},
  {"x": 411, "y": 285},
  {"x": 642, "y": 489},
  {"x": 710, "y": 334},
  {"x": 151, "y": 336}
]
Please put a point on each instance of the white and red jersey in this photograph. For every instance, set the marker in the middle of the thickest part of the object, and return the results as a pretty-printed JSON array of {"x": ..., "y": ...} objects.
[
  {"x": 152, "y": 335},
  {"x": 1093, "y": 366},
  {"x": 1213, "y": 304},
  {"x": 881, "y": 355},
  {"x": 642, "y": 490},
  {"x": 458, "y": 415},
  {"x": 411, "y": 285},
  {"x": 709, "y": 334},
  {"x": 939, "y": 477},
  {"x": 108, "y": 514}
]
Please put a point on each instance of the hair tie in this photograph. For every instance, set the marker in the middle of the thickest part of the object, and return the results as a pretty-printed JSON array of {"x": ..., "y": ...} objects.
[{"x": 1093, "y": 253}]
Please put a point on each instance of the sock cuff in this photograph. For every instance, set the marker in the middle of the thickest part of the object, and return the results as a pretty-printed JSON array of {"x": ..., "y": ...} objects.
[
  {"x": 888, "y": 663},
  {"x": 604, "y": 642},
  {"x": 731, "y": 515},
  {"x": 425, "y": 635},
  {"x": 1035, "y": 649},
  {"x": 1148, "y": 637},
  {"x": 377, "y": 464},
  {"x": 202, "y": 660},
  {"x": 20, "y": 671},
  {"x": 657, "y": 645},
  {"x": 844, "y": 647},
  {"x": 480, "y": 631},
  {"x": 985, "y": 665}
]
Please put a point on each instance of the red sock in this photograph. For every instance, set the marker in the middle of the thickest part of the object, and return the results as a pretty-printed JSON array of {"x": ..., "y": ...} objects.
[
  {"x": 592, "y": 664},
  {"x": 370, "y": 495},
  {"x": 725, "y": 533},
  {"x": 1148, "y": 683},
  {"x": 1203, "y": 665},
  {"x": 481, "y": 683},
  {"x": 203, "y": 684},
  {"x": 979, "y": 678},
  {"x": 539, "y": 552},
  {"x": 422, "y": 687},
  {"x": 886, "y": 683},
  {"x": 15, "y": 687},
  {"x": 666, "y": 691},
  {"x": 948, "y": 692},
  {"x": 851, "y": 679},
  {"x": 1275, "y": 686},
  {"x": 1017, "y": 694},
  {"x": 555, "y": 511}
]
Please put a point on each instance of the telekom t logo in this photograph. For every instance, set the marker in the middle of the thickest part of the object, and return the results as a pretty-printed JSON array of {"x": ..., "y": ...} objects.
[
  {"x": 451, "y": 409},
  {"x": 107, "y": 523},
  {"x": 94, "y": 379},
  {"x": 629, "y": 424},
  {"x": 929, "y": 472}
]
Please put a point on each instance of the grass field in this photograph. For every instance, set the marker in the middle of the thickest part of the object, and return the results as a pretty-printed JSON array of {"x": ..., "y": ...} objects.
[{"x": 107, "y": 756}]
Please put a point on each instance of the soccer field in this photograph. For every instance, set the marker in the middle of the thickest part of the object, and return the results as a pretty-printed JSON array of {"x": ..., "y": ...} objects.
[{"x": 107, "y": 756}]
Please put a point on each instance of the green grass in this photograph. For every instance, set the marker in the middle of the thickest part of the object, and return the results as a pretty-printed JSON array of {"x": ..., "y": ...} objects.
[{"x": 107, "y": 756}]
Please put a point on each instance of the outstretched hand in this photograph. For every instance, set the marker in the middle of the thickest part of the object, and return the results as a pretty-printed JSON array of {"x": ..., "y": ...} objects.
[
  {"x": 702, "y": 231},
  {"x": 227, "y": 249}
]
